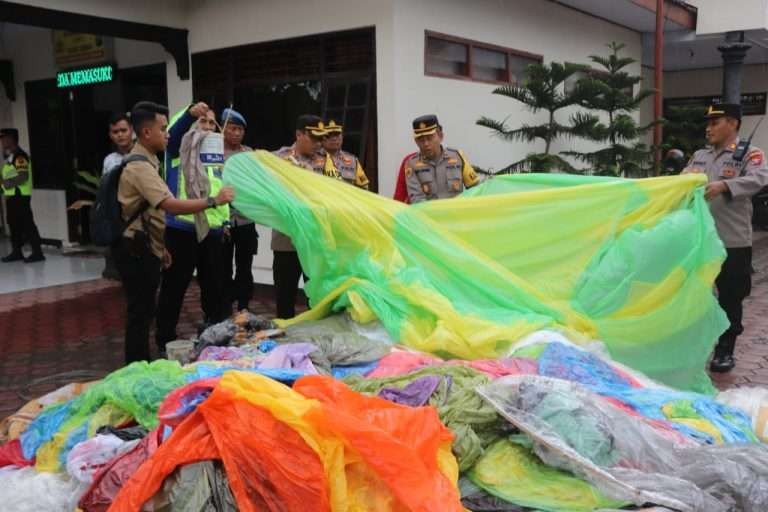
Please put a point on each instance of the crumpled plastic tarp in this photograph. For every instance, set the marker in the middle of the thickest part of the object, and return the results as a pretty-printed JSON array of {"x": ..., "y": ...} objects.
[
  {"x": 339, "y": 342},
  {"x": 132, "y": 392},
  {"x": 11, "y": 455},
  {"x": 415, "y": 393},
  {"x": 474, "y": 423},
  {"x": 754, "y": 402},
  {"x": 401, "y": 362},
  {"x": 513, "y": 473},
  {"x": 601, "y": 258},
  {"x": 200, "y": 487},
  {"x": 26, "y": 490},
  {"x": 12, "y": 426},
  {"x": 126, "y": 434},
  {"x": 697, "y": 416},
  {"x": 108, "y": 481},
  {"x": 335, "y": 449},
  {"x": 476, "y": 499},
  {"x": 291, "y": 356},
  {"x": 88, "y": 457},
  {"x": 642, "y": 464}
]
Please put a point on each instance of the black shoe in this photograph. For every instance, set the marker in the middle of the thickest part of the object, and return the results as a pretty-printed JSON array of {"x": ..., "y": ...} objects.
[
  {"x": 34, "y": 257},
  {"x": 111, "y": 274},
  {"x": 722, "y": 363},
  {"x": 14, "y": 256}
]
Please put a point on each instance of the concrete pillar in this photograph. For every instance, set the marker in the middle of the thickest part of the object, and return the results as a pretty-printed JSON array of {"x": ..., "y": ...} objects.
[{"x": 733, "y": 51}]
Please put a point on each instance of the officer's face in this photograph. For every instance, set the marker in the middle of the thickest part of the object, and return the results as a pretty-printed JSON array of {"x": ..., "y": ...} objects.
[
  {"x": 233, "y": 135},
  {"x": 121, "y": 134},
  {"x": 429, "y": 145},
  {"x": 207, "y": 122},
  {"x": 333, "y": 142},
  {"x": 721, "y": 130},
  {"x": 308, "y": 144}
]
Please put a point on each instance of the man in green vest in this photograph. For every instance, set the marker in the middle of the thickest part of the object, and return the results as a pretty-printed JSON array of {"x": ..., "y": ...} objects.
[
  {"x": 188, "y": 252},
  {"x": 17, "y": 188}
]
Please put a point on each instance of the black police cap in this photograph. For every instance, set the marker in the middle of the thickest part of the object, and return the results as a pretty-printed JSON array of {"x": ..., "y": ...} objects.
[
  {"x": 312, "y": 124},
  {"x": 724, "y": 110},
  {"x": 9, "y": 132},
  {"x": 425, "y": 125}
]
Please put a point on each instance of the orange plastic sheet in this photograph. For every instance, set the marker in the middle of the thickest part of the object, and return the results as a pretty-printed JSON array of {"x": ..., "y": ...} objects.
[{"x": 319, "y": 445}]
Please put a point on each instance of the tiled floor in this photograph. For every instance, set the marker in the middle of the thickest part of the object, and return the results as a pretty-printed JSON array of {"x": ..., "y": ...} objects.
[
  {"x": 57, "y": 269},
  {"x": 50, "y": 336}
]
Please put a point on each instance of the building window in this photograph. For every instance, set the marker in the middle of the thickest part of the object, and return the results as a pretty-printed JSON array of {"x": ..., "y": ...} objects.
[
  {"x": 447, "y": 58},
  {"x": 452, "y": 57}
]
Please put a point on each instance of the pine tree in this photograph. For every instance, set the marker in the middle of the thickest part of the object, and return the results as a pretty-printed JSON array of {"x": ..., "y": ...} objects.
[
  {"x": 544, "y": 90},
  {"x": 684, "y": 130},
  {"x": 610, "y": 90}
]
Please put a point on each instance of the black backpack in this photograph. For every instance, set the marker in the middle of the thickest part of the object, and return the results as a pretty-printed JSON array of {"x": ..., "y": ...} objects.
[{"x": 107, "y": 224}]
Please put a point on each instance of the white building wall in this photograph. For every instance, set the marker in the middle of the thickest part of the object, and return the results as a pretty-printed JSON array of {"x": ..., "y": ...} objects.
[
  {"x": 545, "y": 28},
  {"x": 716, "y": 16},
  {"x": 704, "y": 82},
  {"x": 403, "y": 91}
]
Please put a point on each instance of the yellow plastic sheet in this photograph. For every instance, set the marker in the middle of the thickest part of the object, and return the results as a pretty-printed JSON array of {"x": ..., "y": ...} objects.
[{"x": 629, "y": 262}]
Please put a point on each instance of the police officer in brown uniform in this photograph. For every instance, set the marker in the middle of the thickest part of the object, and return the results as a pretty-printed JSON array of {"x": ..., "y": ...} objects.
[
  {"x": 436, "y": 172},
  {"x": 732, "y": 183},
  {"x": 306, "y": 154},
  {"x": 347, "y": 164}
]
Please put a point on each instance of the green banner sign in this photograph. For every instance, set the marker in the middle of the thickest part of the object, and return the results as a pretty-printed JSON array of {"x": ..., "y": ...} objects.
[{"x": 87, "y": 76}]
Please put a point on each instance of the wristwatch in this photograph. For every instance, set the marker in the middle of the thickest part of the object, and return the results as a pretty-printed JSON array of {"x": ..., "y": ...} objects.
[{"x": 211, "y": 203}]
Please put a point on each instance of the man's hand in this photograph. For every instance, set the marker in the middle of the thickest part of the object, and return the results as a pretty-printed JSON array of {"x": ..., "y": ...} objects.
[
  {"x": 715, "y": 189},
  {"x": 167, "y": 259},
  {"x": 199, "y": 109},
  {"x": 225, "y": 196}
]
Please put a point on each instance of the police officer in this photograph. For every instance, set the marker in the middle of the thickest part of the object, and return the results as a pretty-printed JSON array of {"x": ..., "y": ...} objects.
[
  {"x": 305, "y": 153},
  {"x": 346, "y": 163},
  {"x": 732, "y": 183},
  {"x": 187, "y": 253},
  {"x": 436, "y": 172},
  {"x": 17, "y": 188},
  {"x": 243, "y": 240}
]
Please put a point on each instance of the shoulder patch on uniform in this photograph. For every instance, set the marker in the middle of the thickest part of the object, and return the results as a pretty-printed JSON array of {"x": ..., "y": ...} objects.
[
  {"x": 408, "y": 172},
  {"x": 756, "y": 157},
  {"x": 20, "y": 161}
]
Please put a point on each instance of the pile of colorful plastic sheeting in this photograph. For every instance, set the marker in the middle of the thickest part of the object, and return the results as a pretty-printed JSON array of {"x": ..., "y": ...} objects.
[{"x": 553, "y": 427}]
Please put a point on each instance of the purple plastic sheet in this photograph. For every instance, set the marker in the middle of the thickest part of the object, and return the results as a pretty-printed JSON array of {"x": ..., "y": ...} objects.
[
  {"x": 415, "y": 394},
  {"x": 292, "y": 356}
]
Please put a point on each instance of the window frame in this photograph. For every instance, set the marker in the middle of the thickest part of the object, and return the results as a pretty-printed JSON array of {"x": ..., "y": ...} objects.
[{"x": 471, "y": 44}]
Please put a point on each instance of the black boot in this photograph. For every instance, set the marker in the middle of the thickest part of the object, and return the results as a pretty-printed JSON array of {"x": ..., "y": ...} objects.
[
  {"x": 15, "y": 255},
  {"x": 34, "y": 257},
  {"x": 722, "y": 361}
]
